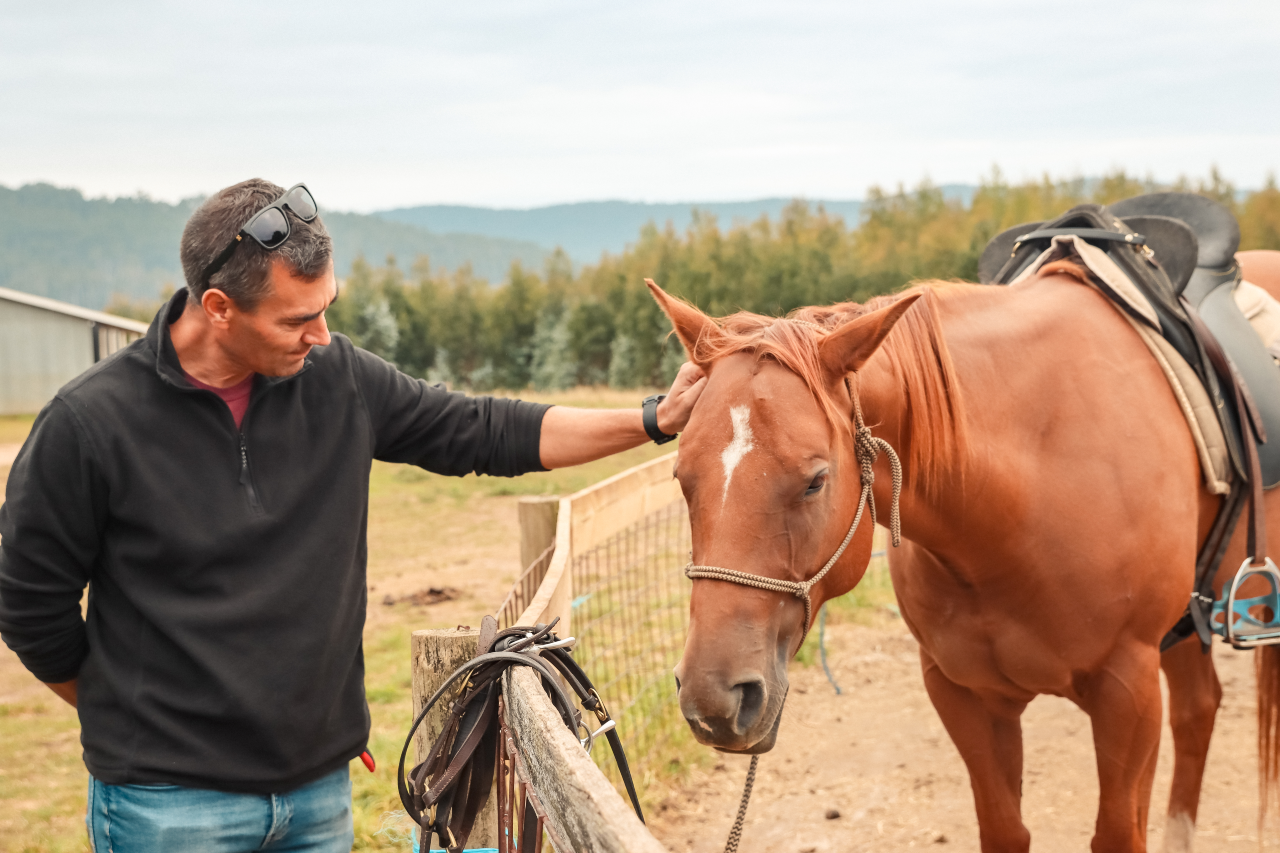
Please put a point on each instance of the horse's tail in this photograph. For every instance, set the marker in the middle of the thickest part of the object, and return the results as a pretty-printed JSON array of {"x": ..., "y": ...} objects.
[{"x": 1267, "y": 668}]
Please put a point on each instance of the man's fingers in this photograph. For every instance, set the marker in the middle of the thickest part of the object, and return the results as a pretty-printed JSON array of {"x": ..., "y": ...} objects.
[
  {"x": 675, "y": 410},
  {"x": 687, "y": 376}
]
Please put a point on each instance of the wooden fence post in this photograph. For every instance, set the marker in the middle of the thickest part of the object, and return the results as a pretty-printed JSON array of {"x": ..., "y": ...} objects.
[
  {"x": 437, "y": 654},
  {"x": 537, "y": 526}
]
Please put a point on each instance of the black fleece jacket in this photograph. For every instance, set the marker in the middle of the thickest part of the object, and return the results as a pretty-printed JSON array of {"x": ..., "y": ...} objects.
[{"x": 226, "y": 568}]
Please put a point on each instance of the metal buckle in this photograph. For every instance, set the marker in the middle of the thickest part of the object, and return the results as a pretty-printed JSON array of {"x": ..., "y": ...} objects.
[
  {"x": 601, "y": 712},
  {"x": 1239, "y": 627}
]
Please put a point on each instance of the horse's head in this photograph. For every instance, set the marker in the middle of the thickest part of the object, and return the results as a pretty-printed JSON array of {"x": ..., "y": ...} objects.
[{"x": 768, "y": 466}]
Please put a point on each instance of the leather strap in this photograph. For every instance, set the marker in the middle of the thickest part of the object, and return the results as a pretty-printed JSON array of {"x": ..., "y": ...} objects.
[
  {"x": 1084, "y": 234},
  {"x": 649, "y": 410},
  {"x": 1252, "y": 433},
  {"x": 447, "y": 790}
]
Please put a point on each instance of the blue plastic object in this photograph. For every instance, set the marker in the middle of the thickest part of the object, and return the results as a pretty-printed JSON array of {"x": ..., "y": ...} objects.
[
  {"x": 822, "y": 647},
  {"x": 1236, "y": 619}
]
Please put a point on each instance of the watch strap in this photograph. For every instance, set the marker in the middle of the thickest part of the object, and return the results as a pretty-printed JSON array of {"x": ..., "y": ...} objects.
[{"x": 649, "y": 408}]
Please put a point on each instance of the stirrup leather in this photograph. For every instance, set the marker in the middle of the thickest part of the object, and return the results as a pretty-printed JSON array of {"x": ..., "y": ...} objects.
[{"x": 1239, "y": 626}]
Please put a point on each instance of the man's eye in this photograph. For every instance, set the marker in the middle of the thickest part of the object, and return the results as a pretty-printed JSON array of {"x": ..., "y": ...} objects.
[{"x": 817, "y": 484}]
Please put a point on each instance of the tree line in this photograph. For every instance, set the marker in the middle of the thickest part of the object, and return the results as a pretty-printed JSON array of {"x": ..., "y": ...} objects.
[{"x": 556, "y": 327}]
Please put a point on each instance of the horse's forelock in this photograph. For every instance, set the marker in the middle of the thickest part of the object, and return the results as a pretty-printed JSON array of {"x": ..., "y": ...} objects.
[{"x": 917, "y": 351}]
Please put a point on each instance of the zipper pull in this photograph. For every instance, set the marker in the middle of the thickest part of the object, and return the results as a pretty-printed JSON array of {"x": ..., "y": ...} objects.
[{"x": 245, "y": 479}]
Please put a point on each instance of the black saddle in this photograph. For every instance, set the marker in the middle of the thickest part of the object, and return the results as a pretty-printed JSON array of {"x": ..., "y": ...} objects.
[
  {"x": 1179, "y": 250},
  {"x": 1211, "y": 291},
  {"x": 1160, "y": 259}
]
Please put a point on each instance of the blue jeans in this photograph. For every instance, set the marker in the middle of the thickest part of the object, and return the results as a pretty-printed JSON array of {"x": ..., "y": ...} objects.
[{"x": 315, "y": 818}]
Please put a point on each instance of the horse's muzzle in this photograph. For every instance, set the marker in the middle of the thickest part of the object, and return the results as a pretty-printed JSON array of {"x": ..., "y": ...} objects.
[{"x": 738, "y": 715}]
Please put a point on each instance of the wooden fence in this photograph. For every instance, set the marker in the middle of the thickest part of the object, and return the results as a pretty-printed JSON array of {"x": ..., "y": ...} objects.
[{"x": 607, "y": 561}]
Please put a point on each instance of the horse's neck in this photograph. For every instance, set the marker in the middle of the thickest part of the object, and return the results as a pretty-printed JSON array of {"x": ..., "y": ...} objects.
[{"x": 994, "y": 335}]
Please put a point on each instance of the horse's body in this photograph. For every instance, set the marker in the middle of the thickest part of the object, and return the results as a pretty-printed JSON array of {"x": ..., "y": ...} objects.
[{"x": 1052, "y": 512}]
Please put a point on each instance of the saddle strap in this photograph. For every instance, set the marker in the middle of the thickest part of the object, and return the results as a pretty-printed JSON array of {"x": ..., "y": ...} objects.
[{"x": 1253, "y": 433}]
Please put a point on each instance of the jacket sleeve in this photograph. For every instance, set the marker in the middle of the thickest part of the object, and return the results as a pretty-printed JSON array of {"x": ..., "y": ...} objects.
[
  {"x": 50, "y": 528},
  {"x": 446, "y": 432}
]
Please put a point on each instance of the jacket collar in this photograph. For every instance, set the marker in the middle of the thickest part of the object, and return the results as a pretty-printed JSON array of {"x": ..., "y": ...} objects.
[{"x": 167, "y": 363}]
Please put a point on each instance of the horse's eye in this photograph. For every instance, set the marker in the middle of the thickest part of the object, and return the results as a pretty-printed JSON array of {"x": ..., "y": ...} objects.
[{"x": 817, "y": 484}]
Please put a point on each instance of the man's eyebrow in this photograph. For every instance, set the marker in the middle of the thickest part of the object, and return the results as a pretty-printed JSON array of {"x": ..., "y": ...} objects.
[{"x": 307, "y": 318}]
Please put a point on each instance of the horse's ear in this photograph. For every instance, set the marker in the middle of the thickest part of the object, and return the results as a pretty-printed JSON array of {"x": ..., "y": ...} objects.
[
  {"x": 691, "y": 325},
  {"x": 848, "y": 348}
]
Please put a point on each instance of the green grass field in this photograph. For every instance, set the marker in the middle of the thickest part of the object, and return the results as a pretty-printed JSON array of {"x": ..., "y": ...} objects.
[{"x": 424, "y": 530}]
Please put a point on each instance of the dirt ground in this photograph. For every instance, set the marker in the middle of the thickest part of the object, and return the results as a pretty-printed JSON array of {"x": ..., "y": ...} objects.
[{"x": 878, "y": 755}]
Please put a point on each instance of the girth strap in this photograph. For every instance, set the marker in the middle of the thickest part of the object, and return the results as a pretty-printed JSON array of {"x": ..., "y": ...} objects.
[{"x": 1250, "y": 421}]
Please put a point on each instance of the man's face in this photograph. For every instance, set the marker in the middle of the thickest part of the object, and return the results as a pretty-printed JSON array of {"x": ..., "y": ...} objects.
[{"x": 274, "y": 338}]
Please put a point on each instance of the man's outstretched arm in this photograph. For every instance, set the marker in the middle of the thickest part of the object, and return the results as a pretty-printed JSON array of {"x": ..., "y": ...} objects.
[{"x": 574, "y": 436}]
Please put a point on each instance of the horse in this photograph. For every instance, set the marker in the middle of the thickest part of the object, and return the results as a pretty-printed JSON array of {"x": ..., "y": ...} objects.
[{"x": 1051, "y": 508}]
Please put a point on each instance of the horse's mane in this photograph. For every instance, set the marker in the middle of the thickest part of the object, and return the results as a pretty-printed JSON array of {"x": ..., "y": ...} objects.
[{"x": 933, "y": 421}]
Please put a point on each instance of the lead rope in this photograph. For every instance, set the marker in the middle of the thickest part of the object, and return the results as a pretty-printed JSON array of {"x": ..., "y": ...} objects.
[
  {"x": 735, "y": 834},
  {"x": 866, "y": 448}
]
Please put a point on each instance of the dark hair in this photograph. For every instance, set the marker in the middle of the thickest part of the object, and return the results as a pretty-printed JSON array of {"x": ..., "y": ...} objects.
[{"x": 244, "y": 277}]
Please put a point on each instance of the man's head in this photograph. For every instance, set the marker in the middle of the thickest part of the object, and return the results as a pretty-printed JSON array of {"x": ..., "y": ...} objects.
[
  {"x": 266, "y": 307},
  {"x": 243, "y": 278}
]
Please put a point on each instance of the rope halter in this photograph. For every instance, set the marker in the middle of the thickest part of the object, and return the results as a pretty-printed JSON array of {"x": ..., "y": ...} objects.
[{"x": 867, "y": 449}]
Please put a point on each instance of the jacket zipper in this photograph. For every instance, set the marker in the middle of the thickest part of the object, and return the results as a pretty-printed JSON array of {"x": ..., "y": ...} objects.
[{"x": 245, "y": 479}]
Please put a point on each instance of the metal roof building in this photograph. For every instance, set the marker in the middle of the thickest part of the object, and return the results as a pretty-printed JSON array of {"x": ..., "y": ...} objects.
[{"x": 44, "y": 344}]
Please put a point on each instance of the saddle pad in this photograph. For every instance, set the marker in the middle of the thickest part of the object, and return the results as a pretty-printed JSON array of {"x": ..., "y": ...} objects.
[
  {"x": 1197, "y": 408},
  {"x": 1221, "y": 312},
  {"x": 1263, "y": 313},
  {"x": 1072, "y": 248}
]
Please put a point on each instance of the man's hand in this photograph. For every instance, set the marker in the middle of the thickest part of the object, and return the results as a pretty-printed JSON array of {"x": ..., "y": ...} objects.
[
  {"x": 674, "y": 412},
  {"x": 574, "y": 436},
  {"x": 66, "y": 690}
]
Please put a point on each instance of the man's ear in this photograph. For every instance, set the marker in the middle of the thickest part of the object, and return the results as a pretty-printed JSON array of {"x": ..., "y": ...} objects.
[
  {"x": 848, "y": 348},
  {"x": 691, "y": 325},
  {"x": 217, "y": 307}
]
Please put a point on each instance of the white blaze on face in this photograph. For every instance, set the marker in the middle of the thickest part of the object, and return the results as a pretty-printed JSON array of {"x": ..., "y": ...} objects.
[{"x": 739, "y": 447}]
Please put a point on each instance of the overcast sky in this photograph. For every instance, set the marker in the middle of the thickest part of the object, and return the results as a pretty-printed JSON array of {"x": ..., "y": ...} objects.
[{"x": 516, "y": 104}]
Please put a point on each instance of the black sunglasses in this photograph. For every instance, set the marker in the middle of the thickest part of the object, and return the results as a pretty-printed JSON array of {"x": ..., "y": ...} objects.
[{"x": 269, "y": 226}]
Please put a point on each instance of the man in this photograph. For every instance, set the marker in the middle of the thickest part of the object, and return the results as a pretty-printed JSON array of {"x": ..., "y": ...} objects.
[{"x": 210, "y": 485}]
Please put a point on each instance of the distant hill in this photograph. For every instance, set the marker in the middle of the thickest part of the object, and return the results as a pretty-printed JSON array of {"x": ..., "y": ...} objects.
[
  {"x": 587, "y": 229},
  {"x": 54, "y": 242}
]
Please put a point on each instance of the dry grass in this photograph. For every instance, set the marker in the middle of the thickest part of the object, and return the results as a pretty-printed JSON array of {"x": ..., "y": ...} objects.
[{"x": 14, "y": 428}]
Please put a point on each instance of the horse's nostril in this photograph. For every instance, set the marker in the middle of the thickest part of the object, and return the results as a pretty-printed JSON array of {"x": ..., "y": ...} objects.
[
  {"x": 677, "y": 682},
  {"x": 751, "y": 703}
]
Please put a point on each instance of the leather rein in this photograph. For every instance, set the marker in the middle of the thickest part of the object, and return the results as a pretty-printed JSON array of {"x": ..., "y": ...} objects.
[
  {"x": 446, "y": 791},
  {"x": 867, "y": 449}
]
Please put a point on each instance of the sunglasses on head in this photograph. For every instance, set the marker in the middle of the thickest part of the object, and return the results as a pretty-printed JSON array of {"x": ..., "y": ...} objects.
[{"x": 270, "y": 226}]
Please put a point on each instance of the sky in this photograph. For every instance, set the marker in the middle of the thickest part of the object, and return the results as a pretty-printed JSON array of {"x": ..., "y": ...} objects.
[{"x": 519, "y": 104}]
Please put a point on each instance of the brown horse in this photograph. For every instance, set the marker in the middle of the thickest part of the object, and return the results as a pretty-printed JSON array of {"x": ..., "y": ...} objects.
[{"x": 1051, "y": 514}]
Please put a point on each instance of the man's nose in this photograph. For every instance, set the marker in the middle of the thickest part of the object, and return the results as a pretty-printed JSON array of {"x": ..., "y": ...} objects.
[{"x": 317, "y": 333}]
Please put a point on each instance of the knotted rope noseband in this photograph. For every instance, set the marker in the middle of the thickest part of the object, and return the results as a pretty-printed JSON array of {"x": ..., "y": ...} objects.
[{"x": 867, "y": 449}]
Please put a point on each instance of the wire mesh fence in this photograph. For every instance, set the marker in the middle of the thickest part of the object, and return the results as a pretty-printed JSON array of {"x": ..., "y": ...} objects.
[
  {"x": 630, "y": 615},
  {"x": 523, "y": 590}
]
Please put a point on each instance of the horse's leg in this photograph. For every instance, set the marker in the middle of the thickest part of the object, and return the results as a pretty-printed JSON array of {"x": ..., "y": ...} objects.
[
  {"x": 990, "y": 742},
  {"x": 1123, "y": 701},
  {"x": 1194, "y": 697}
]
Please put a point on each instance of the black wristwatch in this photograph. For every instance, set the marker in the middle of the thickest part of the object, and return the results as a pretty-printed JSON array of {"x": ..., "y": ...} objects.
[{"x": 650, "y": 409}]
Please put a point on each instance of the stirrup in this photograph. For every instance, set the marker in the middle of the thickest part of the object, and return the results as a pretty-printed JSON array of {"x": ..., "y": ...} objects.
[{"x": 1239, "y": 626}]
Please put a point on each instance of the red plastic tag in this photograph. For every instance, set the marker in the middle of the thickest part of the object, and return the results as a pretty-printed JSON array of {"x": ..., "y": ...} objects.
[{"x": 368, "y": 761}]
